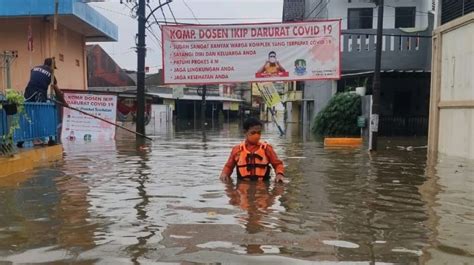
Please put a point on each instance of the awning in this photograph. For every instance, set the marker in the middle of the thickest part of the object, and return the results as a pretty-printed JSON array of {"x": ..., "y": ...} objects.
[{"x": 73, "y": 14}]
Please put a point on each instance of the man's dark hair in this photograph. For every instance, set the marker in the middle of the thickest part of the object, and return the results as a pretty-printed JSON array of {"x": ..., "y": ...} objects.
[
  {"x": 250, "y": 122},
  {"x": 48, "y": 62},
  {"x": 272, "y": 52}
]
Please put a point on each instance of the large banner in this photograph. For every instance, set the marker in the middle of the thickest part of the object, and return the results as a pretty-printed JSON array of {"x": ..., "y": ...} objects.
[
  {"x": 80, "y": 127},
  {"x": 251, "y": 52}
]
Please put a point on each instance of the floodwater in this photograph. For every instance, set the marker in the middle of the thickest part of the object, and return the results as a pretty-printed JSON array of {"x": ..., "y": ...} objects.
[{"x": 162, "y": 203}]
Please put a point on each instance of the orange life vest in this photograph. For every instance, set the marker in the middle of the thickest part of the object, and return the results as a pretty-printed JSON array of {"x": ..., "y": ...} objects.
[
  {"x": 253, "y": 165},
  {"x": 271, "y": 68}
]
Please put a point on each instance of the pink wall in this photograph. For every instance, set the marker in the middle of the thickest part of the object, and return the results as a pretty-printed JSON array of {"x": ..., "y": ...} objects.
[{"x": 14, "y": 36}]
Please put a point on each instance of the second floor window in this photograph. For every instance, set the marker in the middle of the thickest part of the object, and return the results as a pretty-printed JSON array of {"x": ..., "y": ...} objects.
[
  {"x": 360, "y": 18},
  {"x": 405, "y": 17}
]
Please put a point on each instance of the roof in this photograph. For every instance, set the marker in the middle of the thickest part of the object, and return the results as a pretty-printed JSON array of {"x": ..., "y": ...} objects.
[
  {"x": 103, "y": 71},
  {"x": 155, "y": 79},
  {"x": 74, "y": 14}
]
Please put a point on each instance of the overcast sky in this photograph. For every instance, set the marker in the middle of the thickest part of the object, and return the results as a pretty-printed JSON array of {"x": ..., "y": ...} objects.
[{"x": 206, "y": 11}]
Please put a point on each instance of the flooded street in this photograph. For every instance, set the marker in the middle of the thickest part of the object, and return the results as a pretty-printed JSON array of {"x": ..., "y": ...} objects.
[{"x": 119, "y": 203}]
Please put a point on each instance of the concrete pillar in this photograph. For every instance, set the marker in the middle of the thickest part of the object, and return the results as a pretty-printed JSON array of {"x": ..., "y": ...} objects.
[{"x": 305, "y": 112}]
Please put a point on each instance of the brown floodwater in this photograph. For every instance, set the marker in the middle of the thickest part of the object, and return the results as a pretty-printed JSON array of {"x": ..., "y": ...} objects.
[{"x": 162, "y": 203}]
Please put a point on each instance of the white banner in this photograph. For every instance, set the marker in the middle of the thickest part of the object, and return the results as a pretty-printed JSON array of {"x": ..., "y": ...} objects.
[
  {"x": 79, "y": 127},
  {"x": 251, "y": 52}
]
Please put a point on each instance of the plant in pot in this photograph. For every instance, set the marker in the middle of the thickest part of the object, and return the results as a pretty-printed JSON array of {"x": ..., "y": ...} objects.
[
  {"x": 359, "y": 86},
  {"x": 14, "y": 107},
  {"x": 13, "y": 102}
]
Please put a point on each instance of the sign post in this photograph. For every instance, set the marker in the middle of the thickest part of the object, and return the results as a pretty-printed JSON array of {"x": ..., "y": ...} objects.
[{"x": 271, "y": 100}]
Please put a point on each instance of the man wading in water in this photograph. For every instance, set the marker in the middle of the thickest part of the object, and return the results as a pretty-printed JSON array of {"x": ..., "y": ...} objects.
[{"x": 252, "y": 157}]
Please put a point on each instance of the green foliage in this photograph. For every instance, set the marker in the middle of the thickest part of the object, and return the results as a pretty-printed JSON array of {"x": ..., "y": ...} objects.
[
  {"x": 13, "y": 97},
  {"x": 339, "y": 117},
  {"x": 357, "y": 83}
]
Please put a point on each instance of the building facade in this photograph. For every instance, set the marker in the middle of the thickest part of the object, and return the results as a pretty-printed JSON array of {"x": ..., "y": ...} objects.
[
  {"x": 406, "y": 53},
  {"x": 27, "y": 30}
]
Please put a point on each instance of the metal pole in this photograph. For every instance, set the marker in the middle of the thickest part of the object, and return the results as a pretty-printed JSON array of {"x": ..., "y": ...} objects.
[
  {"x": 8, "y": 72},
  {"x": 101, "y": 119},
  {"x": 194, "y": 114},
  {"x": 141, "y": 50},
  {"x": 266, "y": 99},
  {"x": 203, "y": 106},
  {"x": 374, "y": 119},
  {"x": 54, "y": 45}
]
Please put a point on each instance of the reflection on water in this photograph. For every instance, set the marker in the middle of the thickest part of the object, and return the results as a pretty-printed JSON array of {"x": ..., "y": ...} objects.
[
  {"x": 127, "y": 202},
  {"x": 255, "y": 198}
]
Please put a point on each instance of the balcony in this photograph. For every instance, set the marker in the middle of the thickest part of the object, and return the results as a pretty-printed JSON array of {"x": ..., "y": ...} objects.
[{"x": 401, "y": 50}]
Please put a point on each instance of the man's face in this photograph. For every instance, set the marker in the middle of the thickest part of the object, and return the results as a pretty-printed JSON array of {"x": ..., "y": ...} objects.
[
  {"x": 253, "y": 134},
  {"x": 272, "y": 58}
]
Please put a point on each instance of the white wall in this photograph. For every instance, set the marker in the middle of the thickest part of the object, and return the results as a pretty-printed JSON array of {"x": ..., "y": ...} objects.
[
  {"x": 338, "y": 9},
  {"x": 456, "y": 127}
]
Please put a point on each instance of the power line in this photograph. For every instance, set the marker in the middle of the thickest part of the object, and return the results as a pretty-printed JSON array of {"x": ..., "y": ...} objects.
[
  {"x": 229, "y": 18},
  {"x": 132, "y": 9},
  {"x": 162, "y": 12},
  {"x": 159, "y": 22},
  {"x": 158, "y": 40},
  {"x": 327, "y": 3},
  {"x": 113, "y": 11},
  {"x": 192, "y": 12},
  {"x": 153, "y": 15},
  {"x": 234, "y": 18},
  {"x": 171, "y": 11}
]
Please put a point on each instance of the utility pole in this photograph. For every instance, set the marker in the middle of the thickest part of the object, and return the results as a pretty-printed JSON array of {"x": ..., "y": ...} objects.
[
  {"x": 374, "y": 119},
  {"x": 141, "y": 51},
  {"x": 8, "y": 67},
  {"x": 203, "y": 106}
]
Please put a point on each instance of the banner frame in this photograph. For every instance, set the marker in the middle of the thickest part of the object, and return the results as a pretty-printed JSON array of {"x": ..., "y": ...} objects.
[{"x": 249, "y": 24}]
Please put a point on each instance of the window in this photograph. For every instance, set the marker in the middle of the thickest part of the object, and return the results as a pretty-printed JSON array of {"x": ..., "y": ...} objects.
[
  {"x": 405, "y": 17},
  {"x": 360, "y": 18},
  {"x": 452, "y": 9}
]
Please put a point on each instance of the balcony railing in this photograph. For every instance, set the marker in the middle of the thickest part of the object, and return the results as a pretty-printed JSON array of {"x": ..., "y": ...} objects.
[
  {"x": 40, "y": 121},
  {"x": 401, "y": 50}
]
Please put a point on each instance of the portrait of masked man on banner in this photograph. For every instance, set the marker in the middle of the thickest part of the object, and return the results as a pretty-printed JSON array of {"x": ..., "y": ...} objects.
[{"x": 272, "y": 67}]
